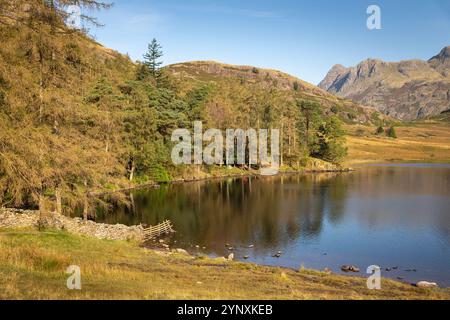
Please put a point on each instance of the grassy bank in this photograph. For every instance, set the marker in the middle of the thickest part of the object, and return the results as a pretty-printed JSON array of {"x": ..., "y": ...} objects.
[
  {"x": 33, "y": 264},
  {"x": 419, "y": 142}
]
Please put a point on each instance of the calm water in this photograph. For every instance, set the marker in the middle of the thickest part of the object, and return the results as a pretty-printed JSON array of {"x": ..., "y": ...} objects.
[{"x": 387, "y": 215}]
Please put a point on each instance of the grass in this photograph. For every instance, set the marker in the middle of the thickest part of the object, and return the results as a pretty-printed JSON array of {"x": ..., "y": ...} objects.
[
  {"x": 417, "y": 142},
  {"x": 33, "y": 264}
]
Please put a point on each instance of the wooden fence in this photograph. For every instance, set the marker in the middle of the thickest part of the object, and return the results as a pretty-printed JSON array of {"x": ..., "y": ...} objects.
[{"x": 159, "y": 230}]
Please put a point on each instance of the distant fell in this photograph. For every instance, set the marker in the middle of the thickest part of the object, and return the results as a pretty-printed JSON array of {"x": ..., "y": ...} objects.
[{"x": 407, "y": 90}]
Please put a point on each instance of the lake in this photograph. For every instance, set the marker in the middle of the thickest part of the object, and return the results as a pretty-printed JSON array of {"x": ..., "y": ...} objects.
[{"x": 393, "y": 216}]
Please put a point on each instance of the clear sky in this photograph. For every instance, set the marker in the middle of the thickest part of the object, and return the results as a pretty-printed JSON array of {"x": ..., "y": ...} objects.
[{"x": 303, "y": 38}]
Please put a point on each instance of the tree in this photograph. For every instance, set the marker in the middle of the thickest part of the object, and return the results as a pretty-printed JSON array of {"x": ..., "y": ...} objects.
[
  {"x": 312, "y": 113},
  {"x": 46, "y": 154},
  {"x": 331, "y": 140},
  {"x": 151, "y": 58}
]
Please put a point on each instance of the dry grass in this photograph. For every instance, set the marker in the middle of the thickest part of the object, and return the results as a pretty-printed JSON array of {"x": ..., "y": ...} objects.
[
  {"x": 32, "y": 266},
  {"x": 422, "y": 142}
]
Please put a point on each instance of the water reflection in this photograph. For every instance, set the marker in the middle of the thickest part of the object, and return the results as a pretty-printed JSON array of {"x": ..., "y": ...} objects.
[
  {"x": 270, "y": 211},
  {"x": 378, "y": 215}
]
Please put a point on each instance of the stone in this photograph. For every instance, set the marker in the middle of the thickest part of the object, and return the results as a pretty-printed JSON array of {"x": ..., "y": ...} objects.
[
  {"x": 14, "y": 218},
  {"x": 347, "y": 268},
  {"x": 354, "y": 269},
  {"x": 182, "y": 251},
  {"x": 231, "y": 257},
  {"x": 426, "y": 284}
]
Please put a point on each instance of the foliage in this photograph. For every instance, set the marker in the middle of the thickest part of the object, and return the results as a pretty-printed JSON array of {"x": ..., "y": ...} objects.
[
  {"x": 330, "y": 137},
  {"x": 379, "y": 131},
  {"x": 151, "y": 59},
  {"x": 391, "y": 133},
  {"x": 77, "y": 119}
]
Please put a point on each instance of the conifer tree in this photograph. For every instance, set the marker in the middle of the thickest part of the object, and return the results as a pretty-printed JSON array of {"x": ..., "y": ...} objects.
[{"x": 152, "y": 58}]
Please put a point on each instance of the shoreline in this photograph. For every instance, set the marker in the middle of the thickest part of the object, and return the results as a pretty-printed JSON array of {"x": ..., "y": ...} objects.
[
  {"x": 226, "y": 176},
  {"x": 164, "y": 250},
  {"x": 123, "y": 270}
]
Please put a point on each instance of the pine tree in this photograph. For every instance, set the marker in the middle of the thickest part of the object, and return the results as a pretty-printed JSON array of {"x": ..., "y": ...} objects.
[{"x": 151, "y": 58}]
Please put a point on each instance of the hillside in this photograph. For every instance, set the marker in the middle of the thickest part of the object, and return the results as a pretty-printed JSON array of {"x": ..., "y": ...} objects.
[
  {"x": 78, "y": 119},
  {"x": 406, "y": 90},
  {"x": 251, "y": 78}
]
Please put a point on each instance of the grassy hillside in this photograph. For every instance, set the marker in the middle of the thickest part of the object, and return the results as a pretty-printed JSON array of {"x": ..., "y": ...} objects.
[
  {"x": 423, "y": 141},
  {"x": 248, "y": 79},
  {"x": 33, "y": 265}
]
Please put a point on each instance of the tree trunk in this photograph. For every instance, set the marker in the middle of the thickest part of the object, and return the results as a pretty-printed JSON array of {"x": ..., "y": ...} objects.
[
  {"x": 58, "y": 201},
  {"x": 133, "y": 168},
  {"x": 85, "y": 208},
  {"x": 86, "y": 202},
  {"x": 41, "y": 206}
]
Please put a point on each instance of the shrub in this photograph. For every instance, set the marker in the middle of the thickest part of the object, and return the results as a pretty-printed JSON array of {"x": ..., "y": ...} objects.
[
  {"x": 379, "y": 131},
  {"x": 391, "y": 133}
]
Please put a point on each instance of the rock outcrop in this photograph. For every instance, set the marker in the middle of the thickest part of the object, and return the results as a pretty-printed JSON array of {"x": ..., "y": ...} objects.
[{"x": 406, "y": 90}]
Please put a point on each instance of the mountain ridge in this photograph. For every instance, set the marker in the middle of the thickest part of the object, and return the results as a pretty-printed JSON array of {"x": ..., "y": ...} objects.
[{"x": 407, "y": 90}]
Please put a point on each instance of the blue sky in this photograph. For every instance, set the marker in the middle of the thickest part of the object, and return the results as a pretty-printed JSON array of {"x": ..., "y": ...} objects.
[{"x": 303, "y": 38}]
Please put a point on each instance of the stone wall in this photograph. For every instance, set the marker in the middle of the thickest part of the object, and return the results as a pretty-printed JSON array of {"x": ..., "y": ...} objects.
[{"x": 14, "y": 218}]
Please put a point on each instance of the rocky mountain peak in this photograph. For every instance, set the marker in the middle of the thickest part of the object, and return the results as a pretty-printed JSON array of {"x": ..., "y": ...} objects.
[
  {"x": 406, "y": 90},
  {"x": 443, "y": 56}
]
